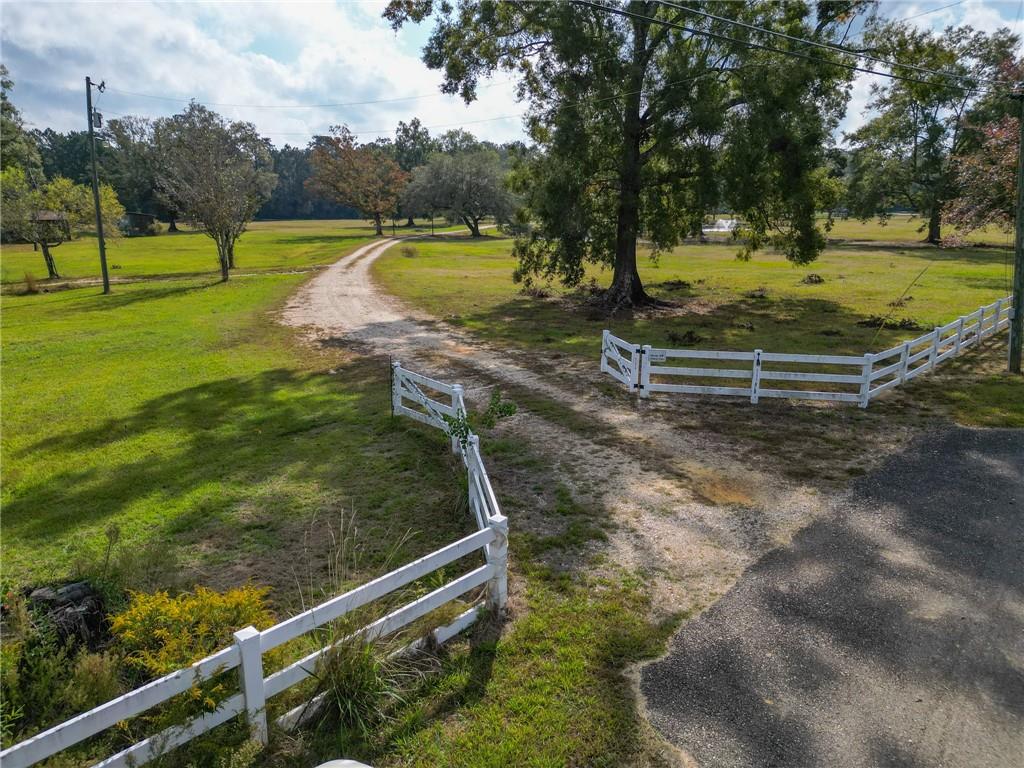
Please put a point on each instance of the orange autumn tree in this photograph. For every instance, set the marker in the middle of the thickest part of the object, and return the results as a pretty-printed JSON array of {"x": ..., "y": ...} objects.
[{"x": 361, "y": 177}]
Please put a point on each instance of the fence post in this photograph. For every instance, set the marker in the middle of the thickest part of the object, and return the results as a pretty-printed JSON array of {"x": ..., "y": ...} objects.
[
  {"x": 904, "y": 361},
  {"x": 250, "y": 675},
  {"x": 459, "y": 406},
  {"x": 396, "y": 386},
  {"x": 755, "y": 377},
  {"x": 999, "y": 311},
  {"x": 497, "y": 555},
  {"x": 934, "y": 352},
  {"x": 981, "y": 325},
  {"x": 865, "y": 382},
  {"x": 959, "y": 334},
  {"x": 645, "y": 370},
  {"x": 604, "y": 355}
]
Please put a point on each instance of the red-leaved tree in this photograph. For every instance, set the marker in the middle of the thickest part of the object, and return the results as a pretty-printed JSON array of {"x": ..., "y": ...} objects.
[
  {"x": 986, "y": 179},
  {"x": 361, "y": 177}
]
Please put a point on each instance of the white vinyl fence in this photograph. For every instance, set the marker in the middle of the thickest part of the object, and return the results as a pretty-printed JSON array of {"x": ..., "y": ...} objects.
[
  {"x": 842, "y": 378},
  {"x": 409, "y": 398}
]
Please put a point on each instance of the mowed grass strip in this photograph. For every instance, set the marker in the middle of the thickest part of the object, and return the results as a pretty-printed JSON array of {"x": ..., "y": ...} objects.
[
  {"x": 184, "y": 414},
  {"x": 722, "y": 303},
  {"x": 266, "y": 245}
]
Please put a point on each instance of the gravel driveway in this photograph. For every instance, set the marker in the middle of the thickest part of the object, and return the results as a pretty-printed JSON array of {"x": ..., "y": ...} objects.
[{"x": 889, "y": 633}]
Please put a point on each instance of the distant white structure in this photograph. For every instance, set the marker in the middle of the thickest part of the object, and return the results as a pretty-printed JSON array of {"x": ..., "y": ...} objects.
[{"x": 721, "y": 225}]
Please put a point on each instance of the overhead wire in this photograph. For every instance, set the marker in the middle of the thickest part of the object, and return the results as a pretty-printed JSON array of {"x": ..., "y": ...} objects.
[
  {"x": 330, "y": 105},
  {"x": 768, "y": 48},
  {"x": 823, "y": 45}
]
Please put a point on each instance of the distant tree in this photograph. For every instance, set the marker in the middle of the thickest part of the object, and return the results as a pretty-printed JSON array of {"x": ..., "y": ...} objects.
[
  {"x": 67, "y": 155},
  {"x": 290, "y": 198},
  {"x": 903, "y": 157},
  {"x": 49, "y": 214},
  {"x": 410, "y": 149},
  {"x": 466, "y": 186},
  {"x": 645, "y": 127},
  {"x": 215, "y": 173},
  {"x": 457, "y": 140},
  {"x": 17, "y": 147},
  {"x": 364, "y": 177}
]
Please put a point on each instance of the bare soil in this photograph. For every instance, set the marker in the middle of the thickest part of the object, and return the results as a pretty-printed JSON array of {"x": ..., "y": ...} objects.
[{"x": 679, "y": 505}]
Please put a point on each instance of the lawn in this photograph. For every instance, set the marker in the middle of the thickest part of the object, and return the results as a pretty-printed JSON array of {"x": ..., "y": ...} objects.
[
  {"x": 181, "y": 413},
  {"x": 223, "y": 451},
  {"x": 267, "y": 245},
  {"x": 723, "y": 303}
]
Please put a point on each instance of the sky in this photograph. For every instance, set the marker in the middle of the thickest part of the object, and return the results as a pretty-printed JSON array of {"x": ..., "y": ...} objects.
[{"x": 265, "y": 62}]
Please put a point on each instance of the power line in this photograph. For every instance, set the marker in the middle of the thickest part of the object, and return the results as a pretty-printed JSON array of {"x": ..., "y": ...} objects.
[
  {"x": 828, "y": 46},
  {"x": 934, "y": 10},
  {"x": 768, "y": 48},
  {"x": 299, "y": 106}
]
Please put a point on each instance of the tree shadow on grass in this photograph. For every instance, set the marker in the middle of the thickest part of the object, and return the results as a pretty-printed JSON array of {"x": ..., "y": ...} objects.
[
  {"x": 895, "y": 615},
  {"x": 243, "y": 465},
  {"x": 118, "y": 299}
]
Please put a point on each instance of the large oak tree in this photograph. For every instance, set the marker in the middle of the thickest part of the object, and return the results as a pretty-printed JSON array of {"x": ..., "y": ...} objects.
[{"x": 646, "y": 127}]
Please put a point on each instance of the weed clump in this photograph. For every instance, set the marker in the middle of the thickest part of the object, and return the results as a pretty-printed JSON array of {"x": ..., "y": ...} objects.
[
  {"x": 688, "y": 339},
  {"x": 409, "y": 251},
  {"x": 812, "y": 278}
]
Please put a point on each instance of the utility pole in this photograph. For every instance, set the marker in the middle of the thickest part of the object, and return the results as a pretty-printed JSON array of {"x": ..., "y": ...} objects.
[
  {"x": 1017, "y": 323},
  {"x": 95, "y": 181}
]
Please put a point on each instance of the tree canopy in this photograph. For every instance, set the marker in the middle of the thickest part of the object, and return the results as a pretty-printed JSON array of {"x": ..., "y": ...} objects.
[
  {"x": 17, "y": 147},
  {"x": 646, "y": 127},
  {"x": 904, "y": 155},
  {"x": 52, "y": 213},
  {"x": 361, "y": 176},
  {"x": 465, "y": 186},
  {"x": 214, "y": 172}
]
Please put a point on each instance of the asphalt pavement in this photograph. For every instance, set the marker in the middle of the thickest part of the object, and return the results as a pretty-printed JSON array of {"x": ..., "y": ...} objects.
[{"x": 889, "y": 633}]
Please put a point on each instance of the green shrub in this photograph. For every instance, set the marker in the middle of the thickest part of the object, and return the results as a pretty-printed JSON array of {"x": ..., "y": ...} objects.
[{"x": 95, "y": 679}]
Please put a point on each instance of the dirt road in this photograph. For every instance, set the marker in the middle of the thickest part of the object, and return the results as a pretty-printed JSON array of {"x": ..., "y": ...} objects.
[{"x": 651, "y": 483}]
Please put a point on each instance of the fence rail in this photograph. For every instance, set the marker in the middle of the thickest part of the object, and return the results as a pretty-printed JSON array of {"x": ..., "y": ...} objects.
[
  {"x": 409, "y": 398},
  {"x": 847, "y": 378}
]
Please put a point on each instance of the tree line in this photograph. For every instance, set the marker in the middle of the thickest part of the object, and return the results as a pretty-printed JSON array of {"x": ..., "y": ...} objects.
[
  {"x": 218, "y": 175},
  {"x": 644, "y": 117}
]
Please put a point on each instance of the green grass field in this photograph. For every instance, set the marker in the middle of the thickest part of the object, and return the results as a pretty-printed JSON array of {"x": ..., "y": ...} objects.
[
  {"x": 906, "y": 228},
  {"x": 722, "y": 303},
  {"x": 267, "y": 245},
  {"x": 182, "y": 413}
]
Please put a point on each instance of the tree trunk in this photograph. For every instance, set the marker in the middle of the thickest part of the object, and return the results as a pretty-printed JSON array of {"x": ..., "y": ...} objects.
[
  {"x": 222, "y": 255},
  {"x": 231, "y": 255},
  {"x": 378, "y": 225},
  {"x": 935, "y": 225},
  {"x": 626, "y": 288},
  {"x": 409, "y": 222},
  {"x": 172, "y": 226},
  {"x": 473, "y": 225},
  {"x": 51, "y": 265}
]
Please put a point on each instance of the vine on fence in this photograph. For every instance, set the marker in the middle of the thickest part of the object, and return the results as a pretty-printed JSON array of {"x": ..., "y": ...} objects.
[{"x": 498, "y": 408}]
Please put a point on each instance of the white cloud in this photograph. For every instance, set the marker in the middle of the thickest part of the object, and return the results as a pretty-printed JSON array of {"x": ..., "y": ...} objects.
[
  {"x": 289, "y": 53},
  {"x": 236, "y": 54}
]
